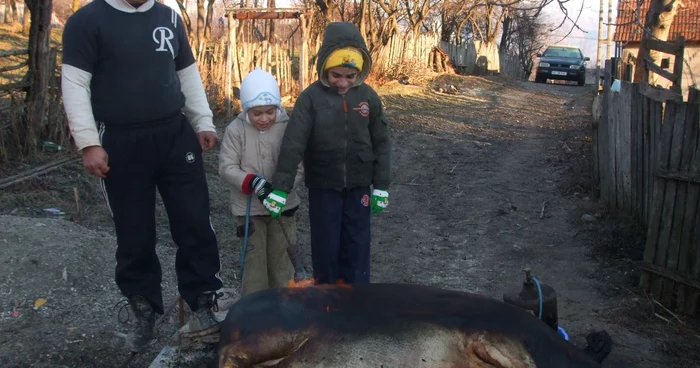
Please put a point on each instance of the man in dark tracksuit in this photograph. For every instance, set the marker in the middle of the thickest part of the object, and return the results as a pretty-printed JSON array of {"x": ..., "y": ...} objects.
[
  {"x": 128, "y": 73},
  {"x": 339, "y": 129}
]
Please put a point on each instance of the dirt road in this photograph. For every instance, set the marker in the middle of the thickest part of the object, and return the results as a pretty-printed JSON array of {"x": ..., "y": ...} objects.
[
  {"x": 496, "y": 178},
  {"x": 489, "y": 177}
]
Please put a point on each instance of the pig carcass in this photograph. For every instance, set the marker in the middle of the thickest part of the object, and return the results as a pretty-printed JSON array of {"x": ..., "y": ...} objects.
[{"x": 388, "y": 325}]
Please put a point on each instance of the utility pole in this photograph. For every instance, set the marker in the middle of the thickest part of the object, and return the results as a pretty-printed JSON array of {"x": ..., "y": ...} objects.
[
  {"x": 599, "y": 64},
  {"x": 608, "y": 39},
  {"x": 610, "y": 32}
]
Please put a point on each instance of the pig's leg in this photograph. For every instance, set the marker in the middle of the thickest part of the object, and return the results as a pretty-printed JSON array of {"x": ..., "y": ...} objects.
[
  {"x": 496, "y": 350},
  {"x": 261, "y": 348}
]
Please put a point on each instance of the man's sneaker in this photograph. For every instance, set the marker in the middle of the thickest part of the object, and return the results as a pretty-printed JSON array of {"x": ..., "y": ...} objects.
[
  {"x": 206, "y": 306},
  {"x": 142, "y": 327}
]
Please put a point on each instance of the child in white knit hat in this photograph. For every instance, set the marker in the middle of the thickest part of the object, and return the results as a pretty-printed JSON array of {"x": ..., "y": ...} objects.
[{"x": 248, "y": 156}]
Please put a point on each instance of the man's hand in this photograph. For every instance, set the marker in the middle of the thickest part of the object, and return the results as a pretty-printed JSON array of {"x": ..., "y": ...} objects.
[
  {"x": 380, "y": 200},
  {"x": 275, "y": 202},
  {"x": 207, "y": 140},
  {"x": 95, "y": 161}
]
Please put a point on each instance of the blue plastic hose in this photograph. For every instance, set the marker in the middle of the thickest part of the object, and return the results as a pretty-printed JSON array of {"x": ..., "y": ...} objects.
[
  {"x": 539, "y": 295},
  {"x": 245, "y": 235},
  {"x": 560, "y": 330},
  {"x": 563, "y": 333}
]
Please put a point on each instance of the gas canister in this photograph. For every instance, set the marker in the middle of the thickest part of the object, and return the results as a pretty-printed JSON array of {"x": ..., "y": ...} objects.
[{"x": 541, "y": 302}]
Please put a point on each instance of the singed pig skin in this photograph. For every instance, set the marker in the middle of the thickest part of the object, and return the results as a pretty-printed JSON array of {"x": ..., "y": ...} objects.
[{"x": 388, "y": 325}]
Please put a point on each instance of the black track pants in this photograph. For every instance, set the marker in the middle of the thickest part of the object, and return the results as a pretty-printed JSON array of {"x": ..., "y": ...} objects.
[{"x": 165, "y": 155}]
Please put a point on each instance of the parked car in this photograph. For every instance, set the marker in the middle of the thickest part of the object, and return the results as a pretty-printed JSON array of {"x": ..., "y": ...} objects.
[{"x": 562, "y": 63}]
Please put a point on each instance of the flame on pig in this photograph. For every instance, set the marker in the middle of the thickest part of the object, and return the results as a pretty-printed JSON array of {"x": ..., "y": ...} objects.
[
  {"x": 304, "y": 283},
  {"x": 294, "y": 285}
]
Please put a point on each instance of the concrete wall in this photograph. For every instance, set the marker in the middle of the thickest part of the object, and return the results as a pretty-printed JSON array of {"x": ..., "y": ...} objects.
[{"x": 691, "y": 68}]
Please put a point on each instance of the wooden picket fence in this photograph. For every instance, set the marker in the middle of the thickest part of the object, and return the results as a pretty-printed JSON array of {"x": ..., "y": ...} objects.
[
  {"x": 403, "y": 53},
  {"x": 646, "y": 151},
  {"x": 464, "y": 60},
  {"x": 672, "y": 254}
]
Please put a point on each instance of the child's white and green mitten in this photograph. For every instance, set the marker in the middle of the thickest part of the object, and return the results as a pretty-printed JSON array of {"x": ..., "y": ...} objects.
[
  {"x": 380, "y": 200},
  {"x": 274, "y": 202}
]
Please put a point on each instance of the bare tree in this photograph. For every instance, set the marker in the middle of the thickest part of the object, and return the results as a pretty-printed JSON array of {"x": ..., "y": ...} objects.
[
  {"x": 489, "y": 25},
  {"x": 26, "y": 20},
  {"x": 209, "y": 16},
  {"x": 201, "y": 33},
  {"x": 416, "y": 13},
  {"x": 528, "y": 37},
  {"x": 454, "y": 15},
  {"x": 11, "y": 12},
  {"x": 271, "y": 30},
  {"x": 378, "y": 22},
  {"x": 182, "y": 4},
  {"x": 508, "y": 31},
  {"x": 40, "y": 71}
]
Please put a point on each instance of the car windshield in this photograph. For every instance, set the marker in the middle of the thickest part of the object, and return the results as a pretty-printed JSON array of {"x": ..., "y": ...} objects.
[{"x": 562, "y": 52}]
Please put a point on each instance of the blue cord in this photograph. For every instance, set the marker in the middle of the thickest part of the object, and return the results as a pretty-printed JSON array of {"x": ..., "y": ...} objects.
[
  {"x": 539, "y": 295},
  {"x": 560, "y": 330},
  {"x": 245, "y": 236}
]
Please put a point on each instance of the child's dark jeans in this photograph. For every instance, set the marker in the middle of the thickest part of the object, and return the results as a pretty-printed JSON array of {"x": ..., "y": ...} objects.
[{"x": 340, "y": 235}]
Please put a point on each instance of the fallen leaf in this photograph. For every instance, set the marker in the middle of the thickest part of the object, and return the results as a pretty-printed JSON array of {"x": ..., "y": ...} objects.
[{"x": 39, "y": 302}]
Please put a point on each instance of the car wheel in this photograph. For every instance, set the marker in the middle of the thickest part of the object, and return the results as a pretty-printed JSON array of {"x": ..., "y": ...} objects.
[
  {"x": 540, "y": 80},
  {"x": 581, "y": 82}
]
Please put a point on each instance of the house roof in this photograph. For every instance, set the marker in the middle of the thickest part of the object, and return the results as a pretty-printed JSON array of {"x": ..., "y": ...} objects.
[{"x": 628, "y": 29}]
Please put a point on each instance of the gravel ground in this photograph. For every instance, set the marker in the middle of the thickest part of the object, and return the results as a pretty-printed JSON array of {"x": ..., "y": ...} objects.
[{"x": 475, "y": 161}]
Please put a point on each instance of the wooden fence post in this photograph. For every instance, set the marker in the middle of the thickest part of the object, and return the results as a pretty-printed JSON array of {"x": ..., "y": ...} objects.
[
  {"x": 302, "y": 52},
  {"x": 629, "y": 72},
  {"x": 689, "y": 298},
  {"x": 229, "y": 62},
  {"x": 606, "y": 149},
  {"x": 678, "y": 67}
]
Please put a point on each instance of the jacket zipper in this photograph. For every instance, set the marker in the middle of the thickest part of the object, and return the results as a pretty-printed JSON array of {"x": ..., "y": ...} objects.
[{"x": 345, "y": 144}]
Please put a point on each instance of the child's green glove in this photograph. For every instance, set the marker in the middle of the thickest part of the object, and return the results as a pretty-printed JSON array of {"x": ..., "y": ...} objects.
[
  {"x": 274, "y": 202},
  {"x": 380, "y": 199}
]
